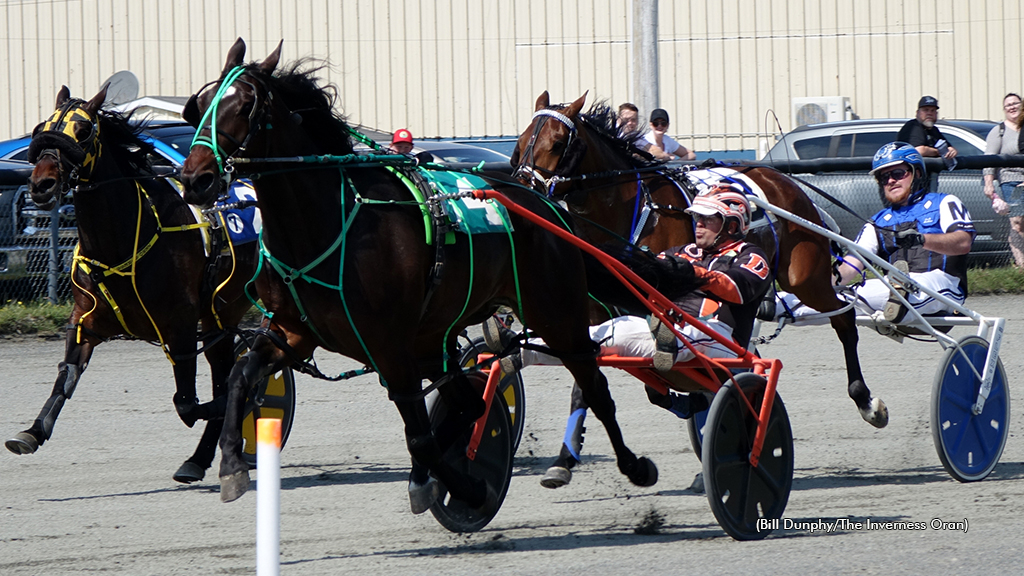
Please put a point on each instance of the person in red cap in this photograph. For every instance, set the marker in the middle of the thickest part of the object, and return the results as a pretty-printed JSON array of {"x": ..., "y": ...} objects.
[{"x": 401, "y": 142}]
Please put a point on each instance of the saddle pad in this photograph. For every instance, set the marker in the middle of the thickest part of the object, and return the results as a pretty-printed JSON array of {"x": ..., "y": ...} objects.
[
  {"x": 469, "y": 215},
  {"x": 243, "y": 225}
]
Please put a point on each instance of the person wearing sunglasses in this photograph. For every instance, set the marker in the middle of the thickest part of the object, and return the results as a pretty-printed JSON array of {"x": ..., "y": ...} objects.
[
  {"x": 925, "y": 233},
  {"x": 663, "y": 146}
]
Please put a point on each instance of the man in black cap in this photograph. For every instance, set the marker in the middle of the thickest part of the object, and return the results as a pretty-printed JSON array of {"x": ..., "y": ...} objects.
[
  {"x": 921, "y": 132},
  {"x": 663, "y": 146}
]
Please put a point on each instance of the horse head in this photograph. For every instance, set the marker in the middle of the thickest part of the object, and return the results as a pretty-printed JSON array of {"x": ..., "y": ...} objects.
[
  {"x": 65, "y": 148},
  {"x": 551, "y": 145},
  {"x": 229, "y": 115}
]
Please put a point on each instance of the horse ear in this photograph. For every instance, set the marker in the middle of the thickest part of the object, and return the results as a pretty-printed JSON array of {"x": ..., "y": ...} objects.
[
  {"x": 542, "y": 101},
  {"x": 63, "y": 96},
  {"x": 93, "y": 105},
  {"x": 235, "y": 55},
  {"x": 270, "y": 63},
  {"x": 576, "y": 106}
]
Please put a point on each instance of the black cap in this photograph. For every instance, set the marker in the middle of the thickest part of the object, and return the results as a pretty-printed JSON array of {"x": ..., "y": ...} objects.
[
  {"x": 927, "y": 101},
  {"x": 659, "y": 114}
]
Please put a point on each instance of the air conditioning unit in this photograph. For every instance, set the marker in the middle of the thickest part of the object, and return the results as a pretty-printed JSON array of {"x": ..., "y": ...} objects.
[{"x": 818, "y": 109}]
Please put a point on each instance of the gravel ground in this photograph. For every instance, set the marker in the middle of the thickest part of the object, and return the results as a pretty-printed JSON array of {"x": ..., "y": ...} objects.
[{"x": 99, "y": 496}]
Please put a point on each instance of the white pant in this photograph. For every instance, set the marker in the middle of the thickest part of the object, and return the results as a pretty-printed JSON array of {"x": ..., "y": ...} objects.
[
  {"x": 630, "y": 336},
  {"x": 874, "y": 294}
]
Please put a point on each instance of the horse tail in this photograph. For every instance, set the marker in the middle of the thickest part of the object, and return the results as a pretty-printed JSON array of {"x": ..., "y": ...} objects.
[{"x": 670, "y": 277}]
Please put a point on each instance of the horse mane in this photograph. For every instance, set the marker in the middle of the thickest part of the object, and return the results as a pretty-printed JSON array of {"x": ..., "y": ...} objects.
[
  {"x": 121, "y": 139},
  {"x": 603, "y": 119},
  {"x": 298, "y": 86}
]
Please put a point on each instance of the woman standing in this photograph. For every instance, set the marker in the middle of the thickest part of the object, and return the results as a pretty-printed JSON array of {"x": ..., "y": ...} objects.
[{"x": 1009, "y": 199}]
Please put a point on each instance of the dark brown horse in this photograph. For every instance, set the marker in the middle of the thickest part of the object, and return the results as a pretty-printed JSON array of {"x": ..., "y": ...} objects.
[
  {"x": 140, "y": 268},
  {"x": 348, "y": 269},
  {"x": 603, "y": 178}
]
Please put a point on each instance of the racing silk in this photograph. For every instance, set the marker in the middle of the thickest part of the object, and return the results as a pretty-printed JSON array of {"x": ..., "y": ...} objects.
[
  {"x": 736, "y": 277},
  {"x": 934, "y": 213}
]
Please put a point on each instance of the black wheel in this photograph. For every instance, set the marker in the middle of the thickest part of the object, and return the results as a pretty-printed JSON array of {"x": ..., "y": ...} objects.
[
  {"x": 969, "y": 445},
  {"x": 743, "y": 497},
  {"x": 493, "y": 464},
  {"x": 278, "y": 402},
  {"x": 695, "y": 426},
  {"x": 511, "y": 387}
]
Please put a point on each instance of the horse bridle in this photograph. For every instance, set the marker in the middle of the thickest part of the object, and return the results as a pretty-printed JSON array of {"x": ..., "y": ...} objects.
[
  {"x": 59, "y": 128},
  {"x": 527, "y": 169},
  {"x": 208, "y": 122}
]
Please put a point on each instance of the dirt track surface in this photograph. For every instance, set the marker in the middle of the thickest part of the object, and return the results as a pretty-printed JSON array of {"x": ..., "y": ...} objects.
[{"x": 99, "y": 496}]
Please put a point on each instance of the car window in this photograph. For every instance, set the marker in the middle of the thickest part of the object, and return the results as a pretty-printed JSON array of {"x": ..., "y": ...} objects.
[
  {"x": 867, "y": 143},
  {"x": 963, "y": 147},
  {"x": 22, "y": 155},
  {"x": 812, "y": 147}
]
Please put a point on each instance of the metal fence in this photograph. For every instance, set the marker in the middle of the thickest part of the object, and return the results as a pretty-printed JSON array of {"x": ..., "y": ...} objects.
[{"x": 36, "y": 246}]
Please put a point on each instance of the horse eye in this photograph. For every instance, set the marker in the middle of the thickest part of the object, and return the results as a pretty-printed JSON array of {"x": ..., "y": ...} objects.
[{"x": 82, "y": 129}]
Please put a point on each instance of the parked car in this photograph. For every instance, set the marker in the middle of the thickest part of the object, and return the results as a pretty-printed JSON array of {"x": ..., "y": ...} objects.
[{"x": 859, "y": 191}]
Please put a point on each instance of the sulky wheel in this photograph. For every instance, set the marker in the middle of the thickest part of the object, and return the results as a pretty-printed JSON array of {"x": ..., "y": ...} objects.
[
  {"x": 969, "y": 445},
  {"x": 511, "y": 387},
  {"x": 278, "y": 402},
  {"x": 740, "y": 494},
  {"x": 493, "y": 463}
]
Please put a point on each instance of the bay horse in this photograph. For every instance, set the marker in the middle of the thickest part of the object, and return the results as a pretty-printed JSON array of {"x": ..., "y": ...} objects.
[
  {"x": 347, "y": 269},
  {"x": 140, "y": 268},
  {"x": 606, "y": 180}
]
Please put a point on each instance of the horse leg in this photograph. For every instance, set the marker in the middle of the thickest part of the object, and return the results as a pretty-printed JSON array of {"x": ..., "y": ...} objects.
[
  {"x": 560, "y": 472},
  {"x": 872, "y": 409},
  {"x": 76, "y": 359},
  {"x": 221, "y": 358},
  {"x": 262, "y": 360},
  {"x": 594, "y": 385}
]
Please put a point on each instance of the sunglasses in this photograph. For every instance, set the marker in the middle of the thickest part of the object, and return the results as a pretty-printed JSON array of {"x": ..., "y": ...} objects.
[
  {"x": 897, "y": 174},
  {"x": 659, "y": 123}
]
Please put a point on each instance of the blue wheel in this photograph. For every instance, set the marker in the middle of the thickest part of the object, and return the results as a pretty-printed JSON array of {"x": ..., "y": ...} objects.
[{"x": 969, "y": 445}]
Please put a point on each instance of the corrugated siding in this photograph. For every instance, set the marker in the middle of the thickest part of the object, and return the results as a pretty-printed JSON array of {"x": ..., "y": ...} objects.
[{"x": 474, "y": 68}]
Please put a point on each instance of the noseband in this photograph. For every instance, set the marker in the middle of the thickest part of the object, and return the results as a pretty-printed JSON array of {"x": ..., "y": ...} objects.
[{"x": 527, "y": 169}]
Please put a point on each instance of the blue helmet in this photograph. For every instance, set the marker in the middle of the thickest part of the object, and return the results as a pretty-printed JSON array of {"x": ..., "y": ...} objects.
[{"x": 895, "y": 153}]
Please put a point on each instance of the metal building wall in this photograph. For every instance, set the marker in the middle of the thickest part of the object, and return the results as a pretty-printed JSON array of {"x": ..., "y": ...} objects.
[{"x": 475, "y": 67}]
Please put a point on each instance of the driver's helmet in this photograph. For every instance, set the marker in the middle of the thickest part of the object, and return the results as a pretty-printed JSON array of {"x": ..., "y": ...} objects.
[
  {"x": 895, "y": 153},
  {"x": 727, "y": 199}
]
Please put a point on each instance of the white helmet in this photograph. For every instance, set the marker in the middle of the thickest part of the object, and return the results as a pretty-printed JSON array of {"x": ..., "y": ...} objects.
[{"x": 727, "y": 199}]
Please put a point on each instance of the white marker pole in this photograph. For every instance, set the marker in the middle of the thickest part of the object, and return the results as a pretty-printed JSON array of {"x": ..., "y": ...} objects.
[{"x": 268, "y": 497}]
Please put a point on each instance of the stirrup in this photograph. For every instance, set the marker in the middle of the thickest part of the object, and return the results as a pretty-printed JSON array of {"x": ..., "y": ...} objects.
[
  {"x": 497, "y": 336},
  {"x": 666, "y": 345},
  {"x": 894, "y": 309}
]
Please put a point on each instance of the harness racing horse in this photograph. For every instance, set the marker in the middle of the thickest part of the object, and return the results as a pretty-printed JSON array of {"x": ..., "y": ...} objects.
[
  {"x": 604, "y": 179},
  {"x": 140, "y": 268},
  {"x": 347, "y": 269}
]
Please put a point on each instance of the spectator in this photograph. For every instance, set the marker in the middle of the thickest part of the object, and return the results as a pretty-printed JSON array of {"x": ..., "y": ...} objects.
[
  {"x": 1006, "y": 200},
  {"x": 401, "y": 142},
  {"x": 663, "y": 146},
  {"x": 922, "y": 134},
  {"x": 629, "y": 118}
]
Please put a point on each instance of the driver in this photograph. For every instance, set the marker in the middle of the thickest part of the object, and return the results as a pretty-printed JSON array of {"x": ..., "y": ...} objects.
[
  {"x": 926, "y": 233},
  {"x": 736, "y": 276}
]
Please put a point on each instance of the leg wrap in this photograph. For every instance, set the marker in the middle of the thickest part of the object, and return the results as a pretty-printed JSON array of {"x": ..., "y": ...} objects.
[
  {"x": 574, "y": 430},
  {"x": 424, "y": 449}
]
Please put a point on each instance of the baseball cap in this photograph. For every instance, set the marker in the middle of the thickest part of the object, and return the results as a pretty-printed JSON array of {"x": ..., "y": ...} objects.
[
  {"x": 927, "y": 101},
  {"x": 659, "y": 114},
  {"x": 402, "y": 135}
]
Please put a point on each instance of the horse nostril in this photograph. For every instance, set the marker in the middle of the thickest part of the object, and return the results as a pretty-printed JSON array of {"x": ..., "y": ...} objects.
[
  {"x": 46, "y": 184},
  {"x": 204, "y": 182}
]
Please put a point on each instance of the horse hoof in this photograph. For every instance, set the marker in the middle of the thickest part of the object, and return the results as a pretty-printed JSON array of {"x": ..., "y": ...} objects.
[
  {"x": 232, "y": 487},
  {"x": 877, "y": 414},
  {"x": 556, "y": 477},
  {"x": 423, "y": 496},
  {"x": 646, "y": 473},
  {"x": 22, "y": 443},
  {"x": 189, "y": 472}
]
